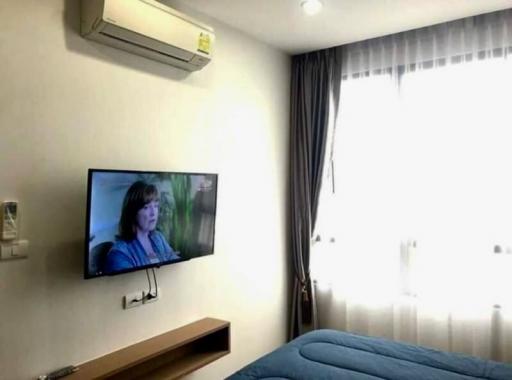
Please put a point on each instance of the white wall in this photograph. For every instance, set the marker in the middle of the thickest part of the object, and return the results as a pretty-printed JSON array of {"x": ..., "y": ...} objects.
[{"x": 67, "y": 104}]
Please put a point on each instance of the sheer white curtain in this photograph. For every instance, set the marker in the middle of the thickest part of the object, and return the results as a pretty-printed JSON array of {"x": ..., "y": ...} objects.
[{"x": 423, "y": 191}]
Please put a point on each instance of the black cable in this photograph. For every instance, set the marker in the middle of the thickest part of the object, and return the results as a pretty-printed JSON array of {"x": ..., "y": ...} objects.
[
  {"x": 156, "y": 283},
  {"x": 149, "y": 296}
]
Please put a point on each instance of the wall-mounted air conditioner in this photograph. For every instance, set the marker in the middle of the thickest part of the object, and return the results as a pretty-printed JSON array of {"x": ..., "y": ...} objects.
[{"x": 150, "y": 29}]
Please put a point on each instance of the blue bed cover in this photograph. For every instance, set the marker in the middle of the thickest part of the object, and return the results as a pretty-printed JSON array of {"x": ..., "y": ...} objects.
[{"x": 330, "y": 354}]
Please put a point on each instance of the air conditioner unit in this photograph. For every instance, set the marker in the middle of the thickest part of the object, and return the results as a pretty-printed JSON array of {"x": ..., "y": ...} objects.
[{"x": 150, "y": 29}]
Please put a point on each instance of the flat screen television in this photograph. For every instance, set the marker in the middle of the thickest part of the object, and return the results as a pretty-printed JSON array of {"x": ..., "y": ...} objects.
[{"x": 138, "y": 220}]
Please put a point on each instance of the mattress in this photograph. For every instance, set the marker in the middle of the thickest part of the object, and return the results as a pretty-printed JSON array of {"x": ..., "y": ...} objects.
[{"x": 330, "y": 354}]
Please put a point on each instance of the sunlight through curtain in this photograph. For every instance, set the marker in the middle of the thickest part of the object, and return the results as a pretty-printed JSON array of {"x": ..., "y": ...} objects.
[{"x": 417, "y": 238}]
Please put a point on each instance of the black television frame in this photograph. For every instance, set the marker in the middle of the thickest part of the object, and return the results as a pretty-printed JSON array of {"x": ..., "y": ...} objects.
[{"x": 90, "y": 172}]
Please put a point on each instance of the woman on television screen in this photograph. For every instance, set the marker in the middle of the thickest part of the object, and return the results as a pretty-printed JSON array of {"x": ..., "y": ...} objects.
[{"x": 139, "y": 243}]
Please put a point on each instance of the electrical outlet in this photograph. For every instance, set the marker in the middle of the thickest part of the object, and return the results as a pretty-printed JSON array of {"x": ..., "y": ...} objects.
[
  {"x": 133, "y": 299},
  {"x": 17, "y": 249},
  {"x": 154, "y": 296}
]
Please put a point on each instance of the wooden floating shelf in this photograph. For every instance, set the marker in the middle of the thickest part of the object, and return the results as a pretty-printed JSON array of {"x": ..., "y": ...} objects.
[{"x": 163, "y": 357}]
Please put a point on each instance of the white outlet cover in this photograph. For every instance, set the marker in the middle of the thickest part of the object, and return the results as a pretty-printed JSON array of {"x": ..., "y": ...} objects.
[
  {"x": 17, "y": 249},
  {"x": 133, "y": 299}
]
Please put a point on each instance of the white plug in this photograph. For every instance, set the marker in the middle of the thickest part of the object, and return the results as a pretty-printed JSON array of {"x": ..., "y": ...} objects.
[{"x": 152, "y": 296}]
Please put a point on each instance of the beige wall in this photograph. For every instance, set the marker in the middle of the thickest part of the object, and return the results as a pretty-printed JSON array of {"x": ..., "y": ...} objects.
[{"x": 67, "y": 104}]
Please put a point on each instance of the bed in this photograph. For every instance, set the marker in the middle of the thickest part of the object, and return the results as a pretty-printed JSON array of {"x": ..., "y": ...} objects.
[{"x": 330, "y": 354}]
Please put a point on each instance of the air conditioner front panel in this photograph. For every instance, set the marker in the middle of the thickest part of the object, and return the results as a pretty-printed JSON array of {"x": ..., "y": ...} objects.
[
  {"x": 146, "y": 42},
  {"x": 159, "y": 27}
]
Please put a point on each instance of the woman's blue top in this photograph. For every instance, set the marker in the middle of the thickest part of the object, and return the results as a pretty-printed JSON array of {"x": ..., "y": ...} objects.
[{"x": 131, "y": 254}]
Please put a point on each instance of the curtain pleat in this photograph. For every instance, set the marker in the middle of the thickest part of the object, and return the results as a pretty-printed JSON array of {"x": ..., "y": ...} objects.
[{"x": 472, "y": 38}]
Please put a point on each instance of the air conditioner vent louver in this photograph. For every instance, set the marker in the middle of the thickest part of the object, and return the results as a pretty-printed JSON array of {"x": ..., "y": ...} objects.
[{"x": 142, "y": 46}]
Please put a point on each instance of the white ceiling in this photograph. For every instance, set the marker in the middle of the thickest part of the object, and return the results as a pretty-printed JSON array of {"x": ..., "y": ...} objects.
[{"x": 282, "y": 24}]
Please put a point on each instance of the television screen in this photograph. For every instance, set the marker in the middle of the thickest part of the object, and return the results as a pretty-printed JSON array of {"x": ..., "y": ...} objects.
[{"x": 139, "y": 220}]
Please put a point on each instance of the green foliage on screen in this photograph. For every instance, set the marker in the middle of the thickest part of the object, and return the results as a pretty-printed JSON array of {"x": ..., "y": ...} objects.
[{"x": 175, "y": 220}]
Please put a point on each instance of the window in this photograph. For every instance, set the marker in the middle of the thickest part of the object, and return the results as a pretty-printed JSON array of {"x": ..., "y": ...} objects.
[{"x": 427, "y": 159}]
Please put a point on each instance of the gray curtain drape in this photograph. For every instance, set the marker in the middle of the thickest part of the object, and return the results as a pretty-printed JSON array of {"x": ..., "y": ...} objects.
[
  {"x": 315, "y": 89},
  {"x": 479, "y": 37}
]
